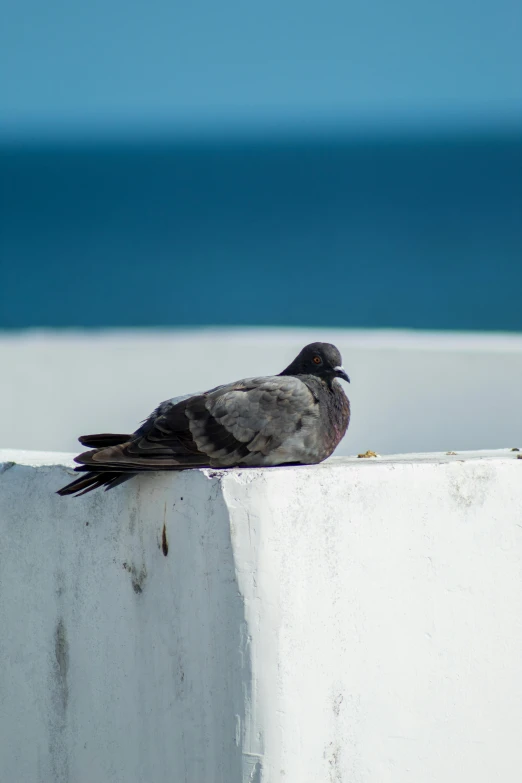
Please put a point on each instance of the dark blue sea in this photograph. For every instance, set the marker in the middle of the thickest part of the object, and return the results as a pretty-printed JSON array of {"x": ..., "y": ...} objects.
[{"x": 349, "y": 232}]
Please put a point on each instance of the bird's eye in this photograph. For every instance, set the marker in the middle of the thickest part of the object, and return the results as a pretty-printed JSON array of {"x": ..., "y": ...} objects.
[{"x": 317, "y": 360}]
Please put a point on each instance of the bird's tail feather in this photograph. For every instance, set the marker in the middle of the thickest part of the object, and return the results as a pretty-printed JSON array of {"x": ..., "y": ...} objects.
[{"x": 92, "y": 480}]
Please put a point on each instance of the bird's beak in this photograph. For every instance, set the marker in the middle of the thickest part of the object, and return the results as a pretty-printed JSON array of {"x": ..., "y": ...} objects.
[{"x": 340, "y": 372}]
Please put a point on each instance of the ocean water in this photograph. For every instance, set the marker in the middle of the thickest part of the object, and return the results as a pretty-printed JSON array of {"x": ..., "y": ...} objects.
[{"x": 415, "y": 233}]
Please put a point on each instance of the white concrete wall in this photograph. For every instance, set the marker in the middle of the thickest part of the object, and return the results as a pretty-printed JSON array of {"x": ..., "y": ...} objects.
[
  {"x": 354, "y": 622},
  {"x": 410, "y": 391}
]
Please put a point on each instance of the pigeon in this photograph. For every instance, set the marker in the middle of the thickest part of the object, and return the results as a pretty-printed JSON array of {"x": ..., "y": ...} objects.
[{"x": 295, "y": 418}]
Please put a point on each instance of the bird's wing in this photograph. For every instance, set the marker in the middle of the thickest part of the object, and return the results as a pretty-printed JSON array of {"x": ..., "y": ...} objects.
[
  {"x": 242, "y": 423},
  {"x": 102, "y": 440}
]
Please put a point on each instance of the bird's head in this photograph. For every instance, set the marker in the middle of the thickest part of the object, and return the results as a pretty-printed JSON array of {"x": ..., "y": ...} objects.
[{"x": 321, "y": 359}]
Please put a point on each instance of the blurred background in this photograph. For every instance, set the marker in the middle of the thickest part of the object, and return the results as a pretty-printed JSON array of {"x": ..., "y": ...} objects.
[{"x": 340, "y": 166}]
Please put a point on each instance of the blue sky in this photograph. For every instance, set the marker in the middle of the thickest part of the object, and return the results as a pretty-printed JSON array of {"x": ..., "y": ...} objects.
[{"x": 122, "y": 64}]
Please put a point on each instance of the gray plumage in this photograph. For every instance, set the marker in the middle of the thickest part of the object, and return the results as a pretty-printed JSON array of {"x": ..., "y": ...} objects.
[{"x": 296, "y": 417}]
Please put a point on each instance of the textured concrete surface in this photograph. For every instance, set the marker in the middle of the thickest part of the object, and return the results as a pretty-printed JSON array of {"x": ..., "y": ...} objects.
[
  {"x": 358, "y": 621},
  {"x": 410, "y": 391}
]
